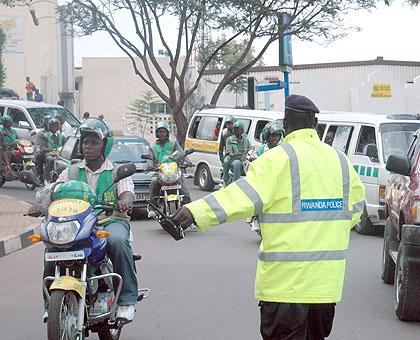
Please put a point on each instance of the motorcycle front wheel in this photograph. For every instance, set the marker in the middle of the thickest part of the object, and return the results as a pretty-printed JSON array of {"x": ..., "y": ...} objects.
[
  {"x": 62, "y": 316},
  {"x": 172, "y": 208}
]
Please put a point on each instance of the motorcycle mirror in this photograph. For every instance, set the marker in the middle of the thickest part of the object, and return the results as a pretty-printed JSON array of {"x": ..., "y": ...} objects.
[
  {"x": 189, "y": 152},
  {"x": 147, "y": 157},
  {"x": 28, "y": 177},
  {"x": 125, "y": 170}
]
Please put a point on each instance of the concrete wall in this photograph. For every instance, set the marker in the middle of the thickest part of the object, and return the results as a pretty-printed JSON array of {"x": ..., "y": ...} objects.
[{"x": 32, "y": 50}]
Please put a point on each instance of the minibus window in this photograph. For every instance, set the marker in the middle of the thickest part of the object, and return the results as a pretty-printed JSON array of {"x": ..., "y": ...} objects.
[
  {"x": 209, "y": 128},
  {"x": 366, "y": 136},
  {"x": 338, "y": 136},
  {"x": 321, "y": 129},
  {"x": 259, "y": 128}
]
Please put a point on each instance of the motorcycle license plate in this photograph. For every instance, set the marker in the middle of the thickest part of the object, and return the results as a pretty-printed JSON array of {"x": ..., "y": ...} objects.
[
  {"x": 171, "y": 187},
  {"x": 65, "y": 256},
  {"x": 142, "y": 197}
]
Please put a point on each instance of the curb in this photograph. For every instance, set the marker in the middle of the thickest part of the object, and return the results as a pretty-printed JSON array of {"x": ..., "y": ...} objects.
[{"x": 16, "y": 242}]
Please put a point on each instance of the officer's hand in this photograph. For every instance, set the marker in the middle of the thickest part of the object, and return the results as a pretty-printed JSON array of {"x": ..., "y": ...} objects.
[{"x": 183, "y": 218}]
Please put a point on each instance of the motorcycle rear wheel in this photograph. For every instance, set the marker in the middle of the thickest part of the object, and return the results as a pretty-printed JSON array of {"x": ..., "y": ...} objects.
[{"x": 62, "y": 316}]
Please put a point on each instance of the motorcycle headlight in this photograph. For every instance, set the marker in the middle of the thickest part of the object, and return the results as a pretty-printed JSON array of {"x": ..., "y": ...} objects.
[
  {"x": 62, "y": 233},
  {"x": 172, "y": 178},
  {"x": 28, "y": 149},
  {"x": 169, "y": 172}
]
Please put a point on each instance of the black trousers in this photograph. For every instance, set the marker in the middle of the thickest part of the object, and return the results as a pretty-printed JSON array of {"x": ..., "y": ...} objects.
[{"x": 295, "y": 321}]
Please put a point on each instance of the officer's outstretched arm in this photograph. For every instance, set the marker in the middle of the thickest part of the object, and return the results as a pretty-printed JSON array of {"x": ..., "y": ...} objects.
[{"x": 244, "y": 198}]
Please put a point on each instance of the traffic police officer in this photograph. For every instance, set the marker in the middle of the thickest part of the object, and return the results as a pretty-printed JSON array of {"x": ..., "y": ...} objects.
[{"x": 307, "y": 197}]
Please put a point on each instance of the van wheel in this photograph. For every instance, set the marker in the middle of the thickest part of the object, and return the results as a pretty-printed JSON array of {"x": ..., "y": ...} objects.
[
  {"x": 205, "y": 181},
  {"x": 390, "y": 244},
  {"x": 407, "y": 288},
  {"x": 365, "y": 227}
]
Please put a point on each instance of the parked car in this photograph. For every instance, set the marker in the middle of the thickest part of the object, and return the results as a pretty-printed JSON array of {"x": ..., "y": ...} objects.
[
  {"x": 401, "y": 246},
  {"x": 368, "y": 139},
  {"x": 28, "y": 117},
  {"x": 125, "y": 149},
  {"x": 7, "y": 93}
]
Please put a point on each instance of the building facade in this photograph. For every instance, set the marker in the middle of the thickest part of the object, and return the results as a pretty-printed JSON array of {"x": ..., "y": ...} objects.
[{"x": 39, "y": 46}]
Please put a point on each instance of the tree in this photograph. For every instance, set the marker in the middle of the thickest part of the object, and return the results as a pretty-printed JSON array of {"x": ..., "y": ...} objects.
[
  {"x": 2, "y": 67},
  {"x": 249, "y": 21},
  {"x": 140, "y": 111}
]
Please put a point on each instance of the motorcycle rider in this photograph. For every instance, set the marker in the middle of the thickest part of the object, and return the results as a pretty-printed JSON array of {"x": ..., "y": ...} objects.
[
  {"x": 9, "y": 137},
  {"x": 237, "y": 147},
  {"x": 272, "y": 134},
  {"x": 226, "y": 133},
  {"x": 99, "y": 172},
  {"x": 165, "y": 147},
  {"x": 4, "y": 161},
  {"x": 54, "y": 141},
  {"x": 40, "y": 145}
]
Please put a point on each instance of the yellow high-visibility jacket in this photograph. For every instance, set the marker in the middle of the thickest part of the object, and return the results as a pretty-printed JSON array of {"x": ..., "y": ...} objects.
[{"x": 307, "y": 197}]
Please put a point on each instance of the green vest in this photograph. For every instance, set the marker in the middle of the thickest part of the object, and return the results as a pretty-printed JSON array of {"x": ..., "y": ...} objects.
[
  {"x": 51, "y": 144},
  {"x": 9, "y": 135},
  {"x": 165, "y": 151},
  {"x": 307, "y": 197},
  {"x": 263, "y": 148}
]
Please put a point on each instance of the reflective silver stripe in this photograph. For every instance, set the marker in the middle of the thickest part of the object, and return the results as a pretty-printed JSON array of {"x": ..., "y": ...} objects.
[
  {"x": 331, "y": 215},
  {"x": 217, "y": 208},
  {"x": 295, "y": 176},
  {"x": 297, "y": 215},
  {"x": 346, "y": 179},
  {"x": 358, "y": 207},
  {"x": 251, "y": 193},
  {"x": 304, "y": 256}
]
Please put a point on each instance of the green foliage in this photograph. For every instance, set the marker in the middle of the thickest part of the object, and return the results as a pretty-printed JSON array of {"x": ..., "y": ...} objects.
[
  {"x": 2, "y": 67},
  {"x": 140, "y": 110}
]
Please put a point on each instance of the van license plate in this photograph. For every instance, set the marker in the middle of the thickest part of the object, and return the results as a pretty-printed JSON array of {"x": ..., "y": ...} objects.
[{"x": 65, "y": 256}]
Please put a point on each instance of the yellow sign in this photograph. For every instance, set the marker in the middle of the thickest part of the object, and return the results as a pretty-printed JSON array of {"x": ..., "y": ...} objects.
[
  {"x": 381, "y": 90},
  {"x": 202, "y": 145},
  {"x": 67, "y": 207}
]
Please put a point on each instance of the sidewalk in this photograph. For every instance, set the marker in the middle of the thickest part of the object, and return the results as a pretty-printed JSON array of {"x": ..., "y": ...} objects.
[{"x": 14, "y": 227}]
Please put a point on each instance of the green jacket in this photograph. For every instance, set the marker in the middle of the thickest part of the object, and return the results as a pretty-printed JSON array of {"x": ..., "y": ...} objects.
[
  {"x": 9, "y": 136},
  {"x": 235, "y": 146}
]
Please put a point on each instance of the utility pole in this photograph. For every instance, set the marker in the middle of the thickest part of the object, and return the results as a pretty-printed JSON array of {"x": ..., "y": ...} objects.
[{"x": 285, "y": 51}]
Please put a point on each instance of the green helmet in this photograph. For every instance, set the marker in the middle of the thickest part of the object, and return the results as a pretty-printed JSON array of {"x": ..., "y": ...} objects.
[
  {"x": 230, "y": 119},
  {"x": 53, "y": 121},
  {"x": 98, "y": 127},
  {"x": 239, "y": 124},
  {"x": 161, "y": 125},
  {"x": 275, "y": 128},
  {"x": 6, "y": 118},
  {"x": 76, "y": 190}
]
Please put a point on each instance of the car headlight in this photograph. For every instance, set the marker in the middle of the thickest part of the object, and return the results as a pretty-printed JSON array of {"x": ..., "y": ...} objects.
[{"x": 62, "y": 233}]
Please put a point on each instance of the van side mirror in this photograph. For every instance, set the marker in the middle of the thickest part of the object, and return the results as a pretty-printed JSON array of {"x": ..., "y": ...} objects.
[
  {"x": 372, "y": 151},
  {"x": 399, "y": 165},
  {"x": 24, "y": 125}
]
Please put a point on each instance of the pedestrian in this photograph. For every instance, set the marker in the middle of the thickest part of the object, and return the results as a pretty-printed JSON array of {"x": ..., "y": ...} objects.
[
  {"x": 85, "y": 116},
  {"x": 66, "y": 128},
  {"x": 38, "y": 96},
  {"x": 307, "y": 197},
  {"x": 30, "y": 88}
]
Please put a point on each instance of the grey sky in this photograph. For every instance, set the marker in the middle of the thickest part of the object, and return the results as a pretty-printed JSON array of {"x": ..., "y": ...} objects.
[{"x": 391, "y": 32}]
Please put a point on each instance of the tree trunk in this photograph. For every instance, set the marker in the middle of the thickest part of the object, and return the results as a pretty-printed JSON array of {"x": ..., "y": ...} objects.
[{"x": 181, "y": 124}]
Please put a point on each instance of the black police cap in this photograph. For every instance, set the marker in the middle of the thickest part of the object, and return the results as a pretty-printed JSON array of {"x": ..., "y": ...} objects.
[{"x": 300, "y": 104}]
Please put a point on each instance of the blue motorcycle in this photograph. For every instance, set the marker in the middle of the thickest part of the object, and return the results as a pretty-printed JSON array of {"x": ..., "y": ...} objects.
[{"x": 84, "y": 291}]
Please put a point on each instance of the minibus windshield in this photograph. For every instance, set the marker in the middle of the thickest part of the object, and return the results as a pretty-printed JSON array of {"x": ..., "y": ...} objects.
[{"x": 397, "y": 138}]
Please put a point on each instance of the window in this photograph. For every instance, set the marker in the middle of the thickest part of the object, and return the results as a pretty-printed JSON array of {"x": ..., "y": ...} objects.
[
  {"x": 366, "y": 136},
  {"x": 68, "y": 147},
  {"x": 2, "y": 110},
  {"x": 39, "y": 113},
  {"x": 321, "y": 129},
  {"x": 247, "y": 124},
  {"x": 259, "y": 128},
  {"x": 206, "y": 128},
  {"x": 339, "y": 136},
  {"x": 17, "y": 116},
  {"x": 397, "y": 137},
  {"x": 160, "y": 108}
]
